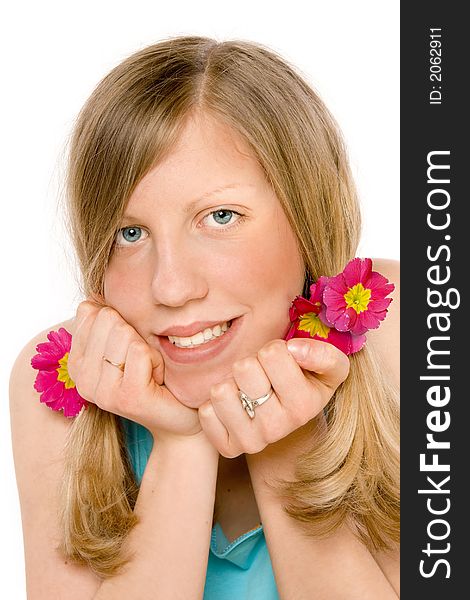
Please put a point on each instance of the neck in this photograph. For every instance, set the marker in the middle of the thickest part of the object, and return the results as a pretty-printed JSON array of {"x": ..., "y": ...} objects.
[{"x": 235, "y": 506}]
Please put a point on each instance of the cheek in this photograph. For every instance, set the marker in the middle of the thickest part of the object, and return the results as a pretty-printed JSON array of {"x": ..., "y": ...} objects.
[
  {"x": 273, "y": 268},
  {"x": 123, "y": 289}
]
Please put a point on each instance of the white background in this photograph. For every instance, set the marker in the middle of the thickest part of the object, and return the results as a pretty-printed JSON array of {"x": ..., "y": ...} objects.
[{"x": 54, "y": 53}]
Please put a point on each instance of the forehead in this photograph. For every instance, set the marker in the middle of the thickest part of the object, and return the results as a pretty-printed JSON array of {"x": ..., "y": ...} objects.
[{"x": 209, "y": 156}]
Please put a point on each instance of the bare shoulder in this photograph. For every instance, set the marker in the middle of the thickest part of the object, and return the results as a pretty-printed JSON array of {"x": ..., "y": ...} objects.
[
  {"x": 386, "y": 339},
  {"x": 389, "y": 563},
  {"x": 38, "y": 438}
]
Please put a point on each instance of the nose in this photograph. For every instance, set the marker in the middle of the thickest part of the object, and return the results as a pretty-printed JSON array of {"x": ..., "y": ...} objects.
[{"x": 179, "y": 275}]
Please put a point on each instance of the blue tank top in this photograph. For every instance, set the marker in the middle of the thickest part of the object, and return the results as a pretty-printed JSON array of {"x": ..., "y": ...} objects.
[{"x": 239, "y": 569}]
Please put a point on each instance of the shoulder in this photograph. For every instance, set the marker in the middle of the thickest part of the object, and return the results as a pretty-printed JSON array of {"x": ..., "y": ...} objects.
[
  {"x": 30, "y": 418},
  {"x": 386, "y": 339},
  {"x": 22, "y": 374},
  {"x": 34, "y": 426},
  {"x": 39, "y": 436}
]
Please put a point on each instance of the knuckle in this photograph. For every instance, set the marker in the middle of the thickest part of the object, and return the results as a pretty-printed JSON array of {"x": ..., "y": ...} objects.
[
  {"x": 229, "y": 452},
  {"x": 244, "y": 365},
  {"x": 221, "y": 391},
  {"x": 84, "y": 308},
  {"x": 271, "y": 350},
  {"x": 109, "y": 316},
  {"x": 255, "y": 446},
  {"x": 122, "y": 330},
  {"x": 138, "y": 347}
]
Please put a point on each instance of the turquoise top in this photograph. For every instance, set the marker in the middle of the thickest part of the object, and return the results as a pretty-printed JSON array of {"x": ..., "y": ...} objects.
[{"x": 240, "y": 569}]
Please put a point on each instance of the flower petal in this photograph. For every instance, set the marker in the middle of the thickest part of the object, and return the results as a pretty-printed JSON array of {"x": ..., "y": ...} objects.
[
  {"x": 303, "y": 306},
  {"x": 44, "y": 362},
  {"x": 344, "y": 321},
  {"x": 376, "y": 281},
  {"x": 45, "y": 380},
  {"x": 357, "y": 271},
  {"x": 73, "y": 402},
  {"x": 61, "y": 339},
  {"x": 336, "y": 283},
  {"x": 53, "y": 394},
  {"x": 366, "y": 320},
  {"x": 357, "y": 343}
]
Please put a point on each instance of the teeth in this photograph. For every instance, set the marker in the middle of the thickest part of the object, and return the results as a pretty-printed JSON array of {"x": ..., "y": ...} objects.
[
  {"x": 202, "y": 337},
  {"x": 197, "y": 339}
]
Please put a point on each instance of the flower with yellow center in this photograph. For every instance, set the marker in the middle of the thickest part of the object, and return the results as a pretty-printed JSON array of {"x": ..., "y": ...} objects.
[
  {"x": 358, "y": 298},
  {"x": 63, "y": 372},
  {"x": 311, "y": 322}
]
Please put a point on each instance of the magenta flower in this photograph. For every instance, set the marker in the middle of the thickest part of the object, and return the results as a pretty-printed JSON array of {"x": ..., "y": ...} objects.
[
  {"x": 308, "y": 321},
  {"x": 355, "y": 300},
  {"x": 53, "y": 381}
]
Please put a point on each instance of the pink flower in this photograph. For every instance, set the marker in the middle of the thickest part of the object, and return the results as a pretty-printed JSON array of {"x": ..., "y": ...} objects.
[
  {"x": 53, "y": 381},
  {"x": 355, "y": 299},
  {"x": 308, "y": 321}
]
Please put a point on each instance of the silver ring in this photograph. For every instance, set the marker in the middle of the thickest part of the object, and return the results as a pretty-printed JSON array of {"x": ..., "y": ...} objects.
[
  {"x": 120, "y": 366},
  {"x": 249, "y": 404}
]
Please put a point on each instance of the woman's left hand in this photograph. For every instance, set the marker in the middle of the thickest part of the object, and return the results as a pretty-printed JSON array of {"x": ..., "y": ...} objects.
[{"x": 303, "y": 373}]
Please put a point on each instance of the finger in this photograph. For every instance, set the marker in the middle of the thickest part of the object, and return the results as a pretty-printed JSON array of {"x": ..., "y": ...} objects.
[
  {"x": 86, "y": 318},
  {"x": 100, "y": 367},
  {"x": 144, "y": 365},
  {"x": 126, "y": 392},
  {"x": 301, "y": 398},
  {"x": 229, "y": 410},
  {"x": 85, "y": 315},
  {"x": 92, "y": 363},
  {"x": 215, "y": 430},
  {"x": 252, "y": 379},
  {"x": 330, "y": 365}
]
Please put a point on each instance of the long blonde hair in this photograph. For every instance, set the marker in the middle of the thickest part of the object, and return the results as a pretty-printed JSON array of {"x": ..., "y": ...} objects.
[{"x": 131, "y": 120}]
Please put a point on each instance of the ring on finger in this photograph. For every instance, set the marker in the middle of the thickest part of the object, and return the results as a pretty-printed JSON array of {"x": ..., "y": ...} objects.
[
  {"x": 249, "y": 404},
  {"x": 120, "y": 365}
]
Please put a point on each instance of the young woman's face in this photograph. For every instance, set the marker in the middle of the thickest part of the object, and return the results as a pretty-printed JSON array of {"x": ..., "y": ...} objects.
[{"x": 206, "y": 264}]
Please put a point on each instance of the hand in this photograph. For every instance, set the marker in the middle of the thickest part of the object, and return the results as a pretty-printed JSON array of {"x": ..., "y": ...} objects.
[
  {"x": 304, "y": 374},
  {"x": 137, "y": 392}
]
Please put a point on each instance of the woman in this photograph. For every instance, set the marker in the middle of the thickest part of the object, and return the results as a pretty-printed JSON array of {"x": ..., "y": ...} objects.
[{"x": 208, "y": 186}]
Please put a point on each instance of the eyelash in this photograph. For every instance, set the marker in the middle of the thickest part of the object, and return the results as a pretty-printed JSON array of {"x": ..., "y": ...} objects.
[
  {"x": 125, "y": 243},
  {"x": 121, "y": 244},
  {"x": 229, "y": 225}
]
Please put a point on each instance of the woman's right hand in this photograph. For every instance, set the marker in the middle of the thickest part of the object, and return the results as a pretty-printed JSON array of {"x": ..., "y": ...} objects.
[{"x": 137, "y": 392}]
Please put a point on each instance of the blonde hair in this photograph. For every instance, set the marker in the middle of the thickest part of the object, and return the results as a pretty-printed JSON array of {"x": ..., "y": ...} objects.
[{"x": 132, "y": 119}]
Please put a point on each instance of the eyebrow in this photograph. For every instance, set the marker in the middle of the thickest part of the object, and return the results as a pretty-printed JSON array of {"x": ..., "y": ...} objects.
[
  {"x": 207, "y": 195},
  {"x": 223, "y": 188}
]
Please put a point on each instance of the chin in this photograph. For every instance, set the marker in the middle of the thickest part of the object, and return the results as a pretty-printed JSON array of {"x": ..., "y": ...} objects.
[{"x": 188, "y": 392}]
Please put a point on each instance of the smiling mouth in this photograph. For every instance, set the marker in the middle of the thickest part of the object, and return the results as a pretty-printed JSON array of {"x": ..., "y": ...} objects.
[{"x": 202, "y": 337}]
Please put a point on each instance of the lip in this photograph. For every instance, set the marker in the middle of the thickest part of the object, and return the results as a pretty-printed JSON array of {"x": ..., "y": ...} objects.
[
  {"x": 189, "y": 330},
  {"x": 200, "y": 353}
]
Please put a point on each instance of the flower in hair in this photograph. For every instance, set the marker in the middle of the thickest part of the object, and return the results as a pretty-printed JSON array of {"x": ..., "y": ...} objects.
[
  {"x": 53, "y": 381},
  {"x": 341, "y": 309},
  {"x": 355, "y": 299}
]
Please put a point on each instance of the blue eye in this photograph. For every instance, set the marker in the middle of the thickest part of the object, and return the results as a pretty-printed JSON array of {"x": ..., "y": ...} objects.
[
  {"x": 223, "y": 216},
  {"x": 129, "y": 234}
]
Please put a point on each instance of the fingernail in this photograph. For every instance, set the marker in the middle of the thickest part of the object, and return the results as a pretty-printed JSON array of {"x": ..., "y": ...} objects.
[{"x": 298, "y": 349}]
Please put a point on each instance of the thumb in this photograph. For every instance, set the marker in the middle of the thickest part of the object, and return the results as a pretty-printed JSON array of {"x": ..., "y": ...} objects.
[
  {"x": 320, "y": 358},
  {"x": 158, "y": 366}
]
